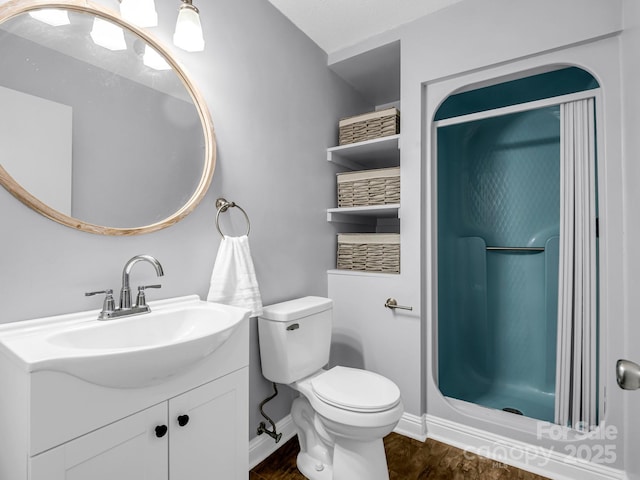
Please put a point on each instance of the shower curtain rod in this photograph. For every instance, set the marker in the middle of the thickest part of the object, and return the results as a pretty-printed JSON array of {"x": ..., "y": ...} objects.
[
  {"x": 518, "y": 249},
  {"x": 517, "y": 108}
]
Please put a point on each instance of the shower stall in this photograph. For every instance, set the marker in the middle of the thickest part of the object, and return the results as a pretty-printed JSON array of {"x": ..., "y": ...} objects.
[{"x": 507, "y": 217}]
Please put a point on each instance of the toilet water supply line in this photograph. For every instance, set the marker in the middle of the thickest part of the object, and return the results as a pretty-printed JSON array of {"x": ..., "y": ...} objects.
[{"x": 262, "y": 428}]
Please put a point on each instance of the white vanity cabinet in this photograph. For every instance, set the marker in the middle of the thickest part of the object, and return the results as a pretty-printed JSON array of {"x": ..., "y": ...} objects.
[
  {"x": 213, "y": 444},
  {"x": 127, "y": 449},
  {"x": 191, "y": 424},
  {"x": 201, "y": 434}
]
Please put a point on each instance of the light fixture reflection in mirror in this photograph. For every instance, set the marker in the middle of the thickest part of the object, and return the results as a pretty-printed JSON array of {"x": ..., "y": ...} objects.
[
  {"x": 51, "y": 16},
  {"x": 188, "y": 35},
  {"x": 153, "y": 59},
  {"x": 138, "y": 145},
  {"x": 108, "y": 35}
]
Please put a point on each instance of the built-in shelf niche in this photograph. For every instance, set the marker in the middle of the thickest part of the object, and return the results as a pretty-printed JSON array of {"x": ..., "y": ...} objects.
[{"x": 375, "y": 74}]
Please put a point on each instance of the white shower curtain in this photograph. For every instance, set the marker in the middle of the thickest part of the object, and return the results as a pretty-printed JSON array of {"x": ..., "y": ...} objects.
[{"x": 576, "y": 384}]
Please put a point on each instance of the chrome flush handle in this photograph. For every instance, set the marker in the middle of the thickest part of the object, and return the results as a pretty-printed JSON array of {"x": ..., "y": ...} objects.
[{"x": 393, "y": 304}]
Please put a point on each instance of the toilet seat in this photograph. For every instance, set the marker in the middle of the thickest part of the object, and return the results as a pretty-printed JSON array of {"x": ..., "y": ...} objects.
[
  {"x": 349, "y": 417},
  {"x": 356, "y": 390}
]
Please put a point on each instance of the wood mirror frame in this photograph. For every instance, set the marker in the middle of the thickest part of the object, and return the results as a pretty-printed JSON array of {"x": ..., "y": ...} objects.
[{"x": 16, "y": 7}]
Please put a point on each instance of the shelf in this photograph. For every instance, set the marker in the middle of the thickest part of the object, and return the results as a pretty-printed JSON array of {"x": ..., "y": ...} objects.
[
  {"x": 377, "y": 153},
  {"x": 362, "y": 215},
  {"x": 360, "y": 273}
]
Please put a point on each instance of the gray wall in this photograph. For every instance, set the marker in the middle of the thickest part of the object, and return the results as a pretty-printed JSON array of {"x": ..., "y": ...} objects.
[{"x": 275, "y": 106}]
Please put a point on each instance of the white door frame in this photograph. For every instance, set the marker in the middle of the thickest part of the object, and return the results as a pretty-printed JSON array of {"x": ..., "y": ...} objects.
[{"x": 601, "y": 59}]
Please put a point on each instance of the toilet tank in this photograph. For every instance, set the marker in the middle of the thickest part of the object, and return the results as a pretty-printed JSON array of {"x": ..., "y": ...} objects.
[{"x": 295, "y": 338}]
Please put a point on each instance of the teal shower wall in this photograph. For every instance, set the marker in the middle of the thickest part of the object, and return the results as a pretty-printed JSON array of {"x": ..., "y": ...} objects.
[
  {"x": 527, "y": 89},
  {"x": 499, "y": 185}
]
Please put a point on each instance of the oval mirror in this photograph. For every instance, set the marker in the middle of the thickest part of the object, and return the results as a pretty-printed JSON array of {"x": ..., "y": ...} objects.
[{"x": 100, "y": 128}]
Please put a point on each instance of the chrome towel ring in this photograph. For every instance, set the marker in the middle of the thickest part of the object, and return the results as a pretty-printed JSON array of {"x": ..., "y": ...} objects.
[{"x": 223, "y": 205}]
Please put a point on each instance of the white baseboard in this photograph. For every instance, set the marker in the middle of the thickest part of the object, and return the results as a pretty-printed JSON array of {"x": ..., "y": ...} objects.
[
  {"x": 412, "y": 426},
  {"x": 261, "y": 446},
  {"x": 521, "y": 455},
  {"x": 532, "y": 458}
]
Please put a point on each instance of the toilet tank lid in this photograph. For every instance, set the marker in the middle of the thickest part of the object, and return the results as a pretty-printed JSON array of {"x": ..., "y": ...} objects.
[{"x": 295, "y": 309}]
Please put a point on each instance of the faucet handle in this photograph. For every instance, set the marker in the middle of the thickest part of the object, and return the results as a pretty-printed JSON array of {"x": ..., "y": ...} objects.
[
  {"x": 141, "y": 300},
  {"x": 108, "y": 291},
  {"x": 109, "y": 304}
]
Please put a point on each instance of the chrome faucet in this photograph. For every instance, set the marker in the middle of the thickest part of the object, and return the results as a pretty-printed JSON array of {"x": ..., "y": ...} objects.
[
  {"x": 125, "y": 291},
  {"x": 108, "y": 308}
]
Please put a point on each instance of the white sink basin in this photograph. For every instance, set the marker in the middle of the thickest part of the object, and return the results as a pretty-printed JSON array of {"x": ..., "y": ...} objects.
[{"x": 126, "y": 352}]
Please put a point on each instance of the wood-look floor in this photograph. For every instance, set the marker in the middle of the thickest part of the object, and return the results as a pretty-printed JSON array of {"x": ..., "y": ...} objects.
[{"x": 408, "y": 459}]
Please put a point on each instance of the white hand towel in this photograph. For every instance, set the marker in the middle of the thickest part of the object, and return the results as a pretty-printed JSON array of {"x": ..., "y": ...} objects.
[{"x": 233, "y": 281}]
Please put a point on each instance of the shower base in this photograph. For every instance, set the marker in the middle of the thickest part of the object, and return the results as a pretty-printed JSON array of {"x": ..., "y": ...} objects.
[{"x": 532, "y": 403}]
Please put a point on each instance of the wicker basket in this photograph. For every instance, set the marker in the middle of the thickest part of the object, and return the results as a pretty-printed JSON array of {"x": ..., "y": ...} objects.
[
  {"x": 369, "y": 126},
  {"x": 369, "y": 252},
  {"x": 369, "y": 187}
]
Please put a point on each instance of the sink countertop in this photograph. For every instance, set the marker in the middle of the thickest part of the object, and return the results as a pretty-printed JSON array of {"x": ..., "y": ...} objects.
[{"x": 126, "y": 351}]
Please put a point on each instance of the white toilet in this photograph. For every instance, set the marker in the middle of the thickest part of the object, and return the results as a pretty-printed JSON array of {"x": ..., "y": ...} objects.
[{"x": 342, "y": 413}]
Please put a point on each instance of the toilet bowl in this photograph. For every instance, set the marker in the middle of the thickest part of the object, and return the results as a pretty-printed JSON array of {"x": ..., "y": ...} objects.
[
  {"x": 353, "y": 410},
  {"x": 342, "y": 413}
]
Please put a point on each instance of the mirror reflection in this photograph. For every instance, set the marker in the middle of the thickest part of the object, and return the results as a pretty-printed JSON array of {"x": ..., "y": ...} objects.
[{"x": 94, "y": 122}]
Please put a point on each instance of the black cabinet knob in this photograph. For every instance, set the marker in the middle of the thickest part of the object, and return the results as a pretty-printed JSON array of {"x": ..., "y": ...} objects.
[
  {"x": 161, "y": 431},
  {"x": 183, "y": 420}
]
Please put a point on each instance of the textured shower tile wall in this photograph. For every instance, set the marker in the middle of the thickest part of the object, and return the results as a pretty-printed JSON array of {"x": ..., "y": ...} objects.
[{"x": 512, "y": 183}]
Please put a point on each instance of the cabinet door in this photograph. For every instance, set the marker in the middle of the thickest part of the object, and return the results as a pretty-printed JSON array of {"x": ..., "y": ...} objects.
[
  {"x": 214, "y": 441},
  {"x": 128, "y": 449}
]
